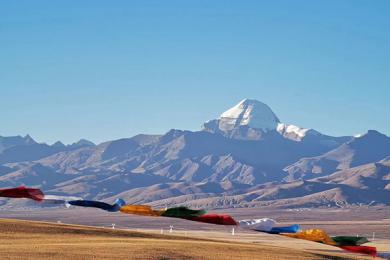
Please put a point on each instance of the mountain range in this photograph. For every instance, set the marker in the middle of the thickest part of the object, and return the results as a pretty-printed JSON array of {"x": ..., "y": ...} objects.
[{"x": 245, "y": 158}]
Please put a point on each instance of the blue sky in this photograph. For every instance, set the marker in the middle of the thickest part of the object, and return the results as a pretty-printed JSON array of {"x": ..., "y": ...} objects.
[{"x": 109, "y": 69}]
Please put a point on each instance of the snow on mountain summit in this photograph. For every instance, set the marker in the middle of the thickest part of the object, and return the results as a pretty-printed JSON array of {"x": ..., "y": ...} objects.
[
  {"x": 251, "y": 113},
  {"x": 294, "y": 132},
  {"x": 250, "y": 119}
]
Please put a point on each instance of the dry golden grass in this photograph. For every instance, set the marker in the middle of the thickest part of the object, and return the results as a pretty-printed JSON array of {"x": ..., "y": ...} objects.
[{"x": 40, "y": 240}]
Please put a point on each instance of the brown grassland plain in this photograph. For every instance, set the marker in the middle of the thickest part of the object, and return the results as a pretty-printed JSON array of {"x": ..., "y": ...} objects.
[{"x": 21, "y": 239}]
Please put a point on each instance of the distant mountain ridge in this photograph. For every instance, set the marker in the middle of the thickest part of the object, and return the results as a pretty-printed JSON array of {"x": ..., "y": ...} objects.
[
  {"x": 10, "y": 141},
  {"x": 370, "y": 147},
  {"x": 245, "y": 158}
]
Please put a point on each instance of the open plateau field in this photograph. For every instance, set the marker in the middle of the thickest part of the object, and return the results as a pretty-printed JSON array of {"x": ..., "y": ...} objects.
[
  {"x": 87, "y": 234},
  {"x": 42, "y": 240}
]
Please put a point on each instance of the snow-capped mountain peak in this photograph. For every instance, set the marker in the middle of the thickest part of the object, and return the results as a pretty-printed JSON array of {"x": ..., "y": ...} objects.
[
  {"x": 251, "y": 113},
  {"x": 250, "y": 119}
]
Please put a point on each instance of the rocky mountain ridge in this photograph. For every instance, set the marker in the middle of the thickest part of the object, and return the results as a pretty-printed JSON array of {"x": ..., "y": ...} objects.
[{"x": 245, "y": 158}]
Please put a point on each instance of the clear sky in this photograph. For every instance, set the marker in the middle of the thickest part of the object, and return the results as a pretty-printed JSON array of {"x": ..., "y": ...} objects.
[{"x": 109, "y": 69}]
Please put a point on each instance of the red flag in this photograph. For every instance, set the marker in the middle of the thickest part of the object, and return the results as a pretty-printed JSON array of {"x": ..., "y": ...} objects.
[
  {"x": 368, "y": 250},
  {"x": 215, "y": 219},
  {"x": 22, "y": 192}
]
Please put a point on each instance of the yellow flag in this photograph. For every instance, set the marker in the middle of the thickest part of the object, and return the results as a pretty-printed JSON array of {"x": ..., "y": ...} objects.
[
  {"x": 142, "y": 210},
  {"x": 316, "y": 235}
]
